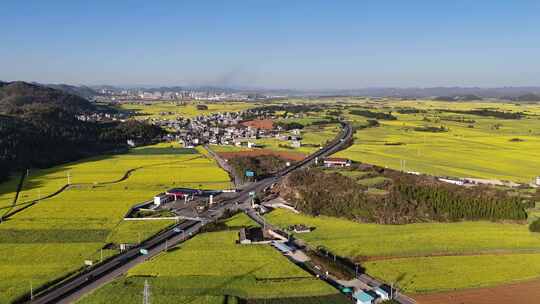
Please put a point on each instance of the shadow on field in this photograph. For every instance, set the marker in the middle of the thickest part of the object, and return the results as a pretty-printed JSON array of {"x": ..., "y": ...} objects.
[
  {"x": 220, "y": 288},
  {"x": 163, "y": 151}
]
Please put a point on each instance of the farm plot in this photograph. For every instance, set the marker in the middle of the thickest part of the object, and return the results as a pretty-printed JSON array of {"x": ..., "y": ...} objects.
[
  {"x": 422, "y": 254},
  {"x": 434, "y": 274},
  {"x": 55, "y": 236},
  {"x": 476, "y": 146},
  {"x": 362, "y": 240},
  {"x": 213, "y": 265},
  {"x": 171, "y": 110}
]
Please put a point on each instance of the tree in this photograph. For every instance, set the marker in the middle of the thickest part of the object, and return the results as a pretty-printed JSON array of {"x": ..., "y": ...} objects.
[{"x": 535, "y": 226}]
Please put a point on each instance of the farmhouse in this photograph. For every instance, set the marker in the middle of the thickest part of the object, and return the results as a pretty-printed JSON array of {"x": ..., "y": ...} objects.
[
  {"x": 336, "y": 162},
  {"x": 296, "y": 144},
  {"x": 162, "y": 199},
  {"x": 253, "y": 235},
  {"x": 258, "y": 235}
]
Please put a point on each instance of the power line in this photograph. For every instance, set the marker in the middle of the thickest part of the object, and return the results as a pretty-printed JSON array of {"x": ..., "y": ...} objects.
[{"x": 146, "y": 292}]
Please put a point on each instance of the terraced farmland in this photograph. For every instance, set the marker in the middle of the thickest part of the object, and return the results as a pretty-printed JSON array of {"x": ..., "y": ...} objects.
[
  {"x": 55, "y": 236},
  {"x": 420, "y": 255},
  {"x": 210, "y": 267}
]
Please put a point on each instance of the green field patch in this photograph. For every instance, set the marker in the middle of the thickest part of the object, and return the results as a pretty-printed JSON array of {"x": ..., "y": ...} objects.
[
  {"x": 483, "y": 150},
  {"x": 132, "y": 232},
  {"x": 358, "y": 240},
  {"x": 432, "y": 274},
  {"x": 21, "y": 236},
  {"x": 55, "y": 236},
  {"x": 212, "y": 264},
  {"x": 373, "y": 181}
]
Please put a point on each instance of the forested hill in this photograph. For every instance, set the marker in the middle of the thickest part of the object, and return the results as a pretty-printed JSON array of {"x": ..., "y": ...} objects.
[
  {"x": 39, "y": 128},
  {"x": 82, "y": 91},
  {"x": 18, "y": 95}
]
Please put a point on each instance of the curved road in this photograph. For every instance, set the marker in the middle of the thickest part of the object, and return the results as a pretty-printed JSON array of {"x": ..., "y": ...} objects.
[{"x": 73, "y": 288}]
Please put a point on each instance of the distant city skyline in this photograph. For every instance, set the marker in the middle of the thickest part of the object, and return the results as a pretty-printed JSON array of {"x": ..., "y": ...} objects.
[{"x": 306, "y": 45}]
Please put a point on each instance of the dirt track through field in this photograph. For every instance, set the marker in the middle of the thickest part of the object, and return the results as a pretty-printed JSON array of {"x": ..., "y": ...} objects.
[
  {"x": 451, "y": 254},
  {"x": 522, "y": 293}
]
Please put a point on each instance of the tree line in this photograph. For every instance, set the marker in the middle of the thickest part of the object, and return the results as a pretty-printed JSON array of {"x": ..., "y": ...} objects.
[
  {"x": 375, "y": 115},
  {"x": 489, "y": 113},
  {"x": 409, "y": 199},
  {"x": 261, "y": 166}
]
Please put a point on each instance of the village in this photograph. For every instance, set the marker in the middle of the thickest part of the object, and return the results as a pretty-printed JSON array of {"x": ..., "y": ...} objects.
[{"x": 230, "y": 128}]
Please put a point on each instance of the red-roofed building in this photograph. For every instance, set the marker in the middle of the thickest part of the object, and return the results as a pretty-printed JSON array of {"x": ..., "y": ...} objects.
[{"x": 337, "y": 162}]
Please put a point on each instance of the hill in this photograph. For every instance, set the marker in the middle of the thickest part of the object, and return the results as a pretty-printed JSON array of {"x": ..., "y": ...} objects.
[
  {"x": 81, "y": 91},
  {"x": 528, "y": 97},
  {"x": 16, "y": 96},
  {"x": 39, "y": 128}
]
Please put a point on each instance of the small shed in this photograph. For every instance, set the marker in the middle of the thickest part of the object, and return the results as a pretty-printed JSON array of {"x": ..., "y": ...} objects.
[
  {"x": 242, "y": 237},
  {"x": 363, "y": 297},
  {"x": 381, "y": 293},
  {"x": 162, "y": 199}
]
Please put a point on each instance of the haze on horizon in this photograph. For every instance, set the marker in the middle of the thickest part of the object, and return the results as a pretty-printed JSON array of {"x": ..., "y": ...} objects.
[{"x": 272, "y": 44}]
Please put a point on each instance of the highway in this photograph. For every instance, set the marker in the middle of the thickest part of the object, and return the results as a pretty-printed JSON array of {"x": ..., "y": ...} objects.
[{"x": 73, "y": 288}]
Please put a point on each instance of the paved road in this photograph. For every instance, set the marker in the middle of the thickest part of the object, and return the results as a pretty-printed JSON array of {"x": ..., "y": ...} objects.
[
  {"x": 72, "y": 289},
  {"x": 364, "y": 279}
]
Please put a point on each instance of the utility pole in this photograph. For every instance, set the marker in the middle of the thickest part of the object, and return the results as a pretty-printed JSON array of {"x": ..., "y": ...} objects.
[
  {"x": 31, "y": 291},
  {"x": 101, "y": 255},
  {"x": 146, "y": 292},
  {"x": 69, "y": 178}
]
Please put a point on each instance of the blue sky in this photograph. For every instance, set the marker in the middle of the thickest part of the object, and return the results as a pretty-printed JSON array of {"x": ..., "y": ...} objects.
[{"x": 276, "y": 44}]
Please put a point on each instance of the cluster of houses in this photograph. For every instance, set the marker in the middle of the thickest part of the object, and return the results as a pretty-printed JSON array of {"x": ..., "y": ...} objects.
[
  {"x": 103, "y": 117},
  {"x": 467, "y": 181},
  {"x": 167, "y": 95},
  {"x": 225, "y": 129}
]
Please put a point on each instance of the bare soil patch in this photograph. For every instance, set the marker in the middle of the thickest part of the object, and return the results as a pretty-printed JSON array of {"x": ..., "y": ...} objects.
[
  {"x": 266, "y": 124},
  {"x": 293, "y": 156},
  {"x": 523, "y": 293}
]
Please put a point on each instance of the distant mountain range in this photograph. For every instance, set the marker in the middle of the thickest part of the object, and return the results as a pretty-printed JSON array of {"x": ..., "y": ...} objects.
[
  {"x": 510, "y": 93},
  {"x": 82, "y": 91},
  {"x": 525, "y": 94}
]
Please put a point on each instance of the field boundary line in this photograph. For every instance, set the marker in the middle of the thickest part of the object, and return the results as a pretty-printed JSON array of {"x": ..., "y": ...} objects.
[{"x": 31, "y": 203}]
